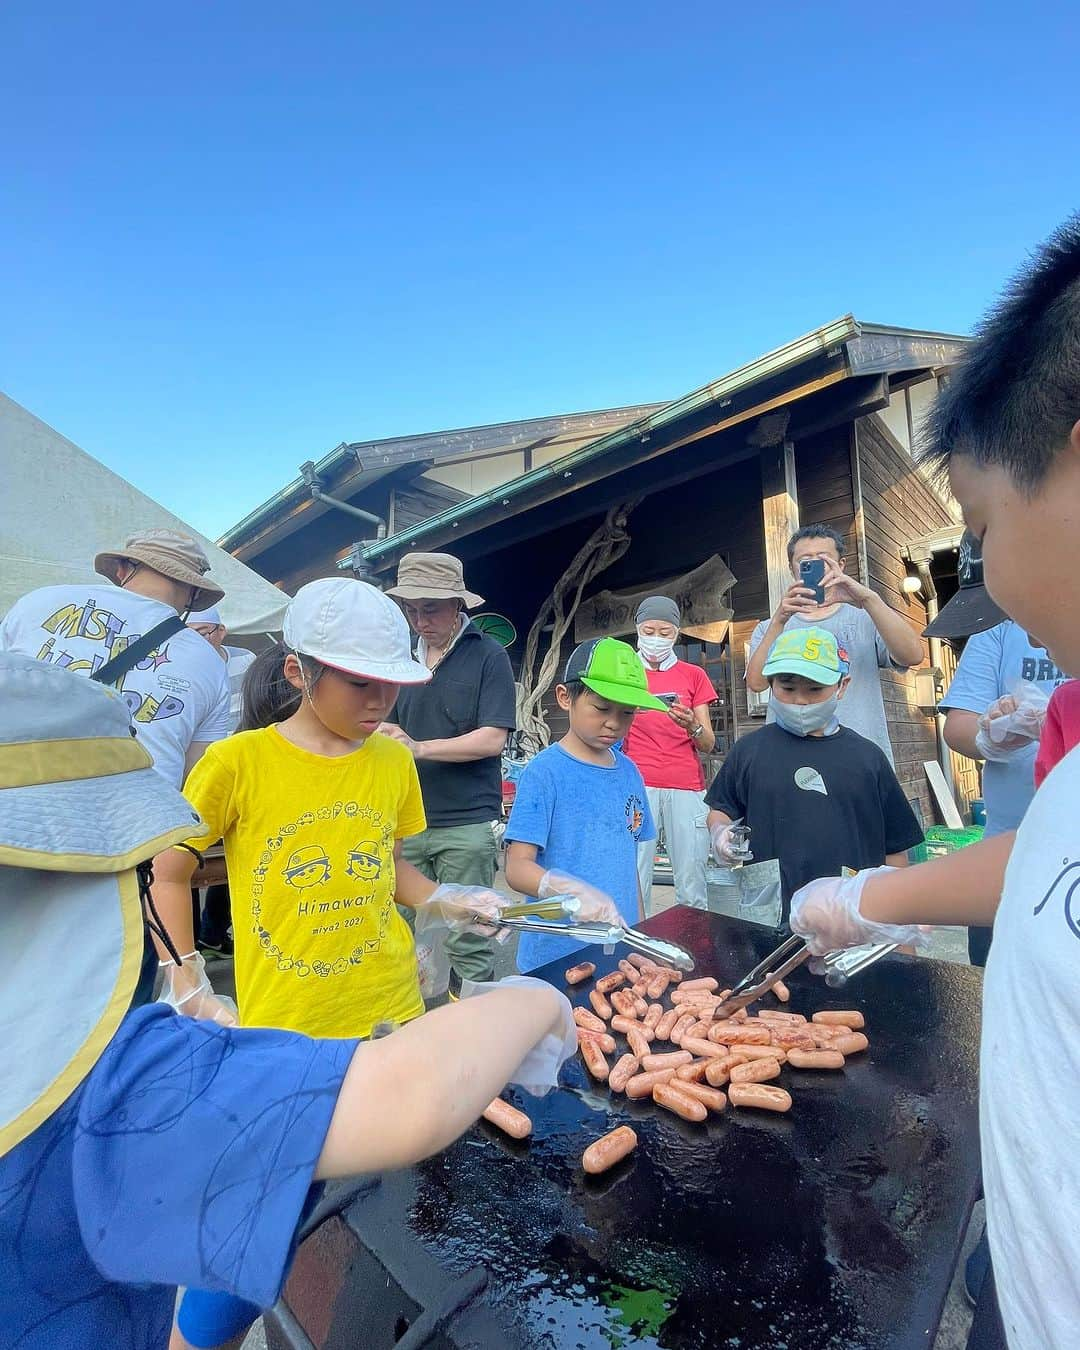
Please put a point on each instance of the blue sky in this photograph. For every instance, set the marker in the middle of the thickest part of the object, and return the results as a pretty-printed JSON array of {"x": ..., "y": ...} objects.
[{"x": 233, "y": 235}]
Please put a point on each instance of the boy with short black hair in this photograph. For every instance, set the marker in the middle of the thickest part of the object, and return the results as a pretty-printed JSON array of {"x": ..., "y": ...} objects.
[
  {"x": 581, "y": 808},
  {"x": 817, "y": 796},
  {"x": 1006, "y": 429}
]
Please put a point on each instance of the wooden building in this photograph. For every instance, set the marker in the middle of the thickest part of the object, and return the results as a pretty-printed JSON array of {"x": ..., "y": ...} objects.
[{"x": 819, "y": 430}]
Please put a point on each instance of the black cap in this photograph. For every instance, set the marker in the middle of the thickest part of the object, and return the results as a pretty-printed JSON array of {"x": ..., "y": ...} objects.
[{"x": 971, "y": 610}]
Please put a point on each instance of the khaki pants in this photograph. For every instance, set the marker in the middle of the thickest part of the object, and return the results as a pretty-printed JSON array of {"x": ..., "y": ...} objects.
[{"x": 465, "y": 855}]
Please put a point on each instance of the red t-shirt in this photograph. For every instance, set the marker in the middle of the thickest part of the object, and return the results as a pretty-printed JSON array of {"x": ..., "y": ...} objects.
[
  {"x": 663, "y": 752},
  {"x": 1061, "y": 730}
]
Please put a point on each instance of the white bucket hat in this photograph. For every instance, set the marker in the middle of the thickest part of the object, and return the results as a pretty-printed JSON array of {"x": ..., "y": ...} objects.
[
  {"x": 80, "y": 806},
  {"x": 351, "y": 626}
]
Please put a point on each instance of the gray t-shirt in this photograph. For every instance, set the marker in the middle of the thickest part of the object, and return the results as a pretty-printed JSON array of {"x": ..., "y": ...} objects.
[{"x": 862, "y": 707}]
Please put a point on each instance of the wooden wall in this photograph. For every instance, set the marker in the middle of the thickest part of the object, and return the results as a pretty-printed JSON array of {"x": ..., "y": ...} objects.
[{"x": 897, "y": 506}]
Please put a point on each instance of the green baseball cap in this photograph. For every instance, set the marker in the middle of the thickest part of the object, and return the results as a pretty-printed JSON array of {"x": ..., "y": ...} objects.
[
  {"x": 613, "y": 670},
  {"x": 811, "y": 652}
]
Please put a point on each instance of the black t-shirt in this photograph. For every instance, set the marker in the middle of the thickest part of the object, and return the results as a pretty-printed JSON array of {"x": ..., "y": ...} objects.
[
  {"x": 816, "y": 803},
  {"x": 472, "y": 686}
]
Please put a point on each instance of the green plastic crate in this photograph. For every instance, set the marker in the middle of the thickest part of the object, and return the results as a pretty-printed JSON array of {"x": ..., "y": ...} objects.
[{"x": 941, "y": 840}]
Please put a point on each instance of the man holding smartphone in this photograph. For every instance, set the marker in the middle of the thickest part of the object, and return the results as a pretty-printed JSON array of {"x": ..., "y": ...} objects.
[{"x": 873, "y": 636}]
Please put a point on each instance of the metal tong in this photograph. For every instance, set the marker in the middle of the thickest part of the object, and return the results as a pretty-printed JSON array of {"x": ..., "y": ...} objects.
[
  {"x": 544, "y": 917},
  {"x": 839, "y": 967}
]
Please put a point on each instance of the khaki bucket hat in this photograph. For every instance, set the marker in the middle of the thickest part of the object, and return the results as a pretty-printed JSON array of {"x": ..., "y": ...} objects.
[
  {"x": 172, "y": 554},
  {"x": 433, "y": 576}
]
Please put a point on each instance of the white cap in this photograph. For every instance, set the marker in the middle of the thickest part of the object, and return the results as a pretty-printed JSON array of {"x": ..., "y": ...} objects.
[
  {"x": 211, "y": 615},
  {"x": 351, "y": 626}
]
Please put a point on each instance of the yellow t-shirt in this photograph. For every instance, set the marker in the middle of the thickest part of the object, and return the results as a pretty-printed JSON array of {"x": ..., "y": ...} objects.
[{"x": 309, "y": 846}]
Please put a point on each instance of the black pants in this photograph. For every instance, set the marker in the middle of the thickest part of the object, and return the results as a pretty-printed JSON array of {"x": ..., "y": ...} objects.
[
  {"x": 979, "y": 945},
  {"x": 216, "y": 915},
  {"x": 987, "y": 1331}
]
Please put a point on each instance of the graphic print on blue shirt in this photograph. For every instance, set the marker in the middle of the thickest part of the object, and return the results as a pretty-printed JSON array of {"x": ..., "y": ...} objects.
[{"x": 585, "y": 819}]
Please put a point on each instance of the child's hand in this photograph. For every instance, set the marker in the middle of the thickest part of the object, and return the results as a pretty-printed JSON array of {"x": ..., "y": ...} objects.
[
  {"x": 188, "y": 990},
  {"x": 473, "y": 909},
  {"x": 594, "y": 905},
  {"x": 827, "y": 914}
]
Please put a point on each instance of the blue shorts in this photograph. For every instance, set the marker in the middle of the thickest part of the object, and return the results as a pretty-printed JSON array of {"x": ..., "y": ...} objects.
[{"x": 211, "y": 1319}]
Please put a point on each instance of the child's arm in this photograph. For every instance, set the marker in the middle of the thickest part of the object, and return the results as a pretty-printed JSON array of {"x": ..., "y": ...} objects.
[
  {"x": 173, "y": 871},
  {"x": 411, "y": 1094},
  {"x": 963, "y": 888},
  {"x": 523, "y": 872},
  {"x": 412, "y": 888}
]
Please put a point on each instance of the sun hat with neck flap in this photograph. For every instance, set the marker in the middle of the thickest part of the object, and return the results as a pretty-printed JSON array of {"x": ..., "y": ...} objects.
[
  {"x": 174, "y": 555},
  {"x": 81, "y": 808},
  {"x": 433, "y": 576}
]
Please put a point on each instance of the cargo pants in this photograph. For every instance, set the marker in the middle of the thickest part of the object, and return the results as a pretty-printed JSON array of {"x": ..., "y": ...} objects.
[{"x": 466, "y": 855}]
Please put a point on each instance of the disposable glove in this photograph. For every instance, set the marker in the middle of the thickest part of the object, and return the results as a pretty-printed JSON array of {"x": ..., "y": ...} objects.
[
  {"x": 594, "y": 906},
  {"x": 188, "y": 990},
  {"x": 538, "y": 1072},
  {"x": 730, "y": 844},
  {"x": 826, "y": 913},
  {"x": 471, "y": 909},
  {"x": 1012, "y": 723}
]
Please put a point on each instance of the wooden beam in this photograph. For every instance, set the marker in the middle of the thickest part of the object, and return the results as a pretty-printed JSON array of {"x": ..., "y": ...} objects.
[
  {"x": 862, "y": 561},
  {"x": 780, "y": 511}
]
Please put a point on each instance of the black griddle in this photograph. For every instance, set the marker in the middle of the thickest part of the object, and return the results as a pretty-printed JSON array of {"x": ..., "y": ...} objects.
[{"x": 834, "y": 1228}]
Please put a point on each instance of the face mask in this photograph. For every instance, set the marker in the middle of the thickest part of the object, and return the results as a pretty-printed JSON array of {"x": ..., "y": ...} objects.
[
  {"x": 655, "y": 649},
  {"x": 802, "y": 719}
]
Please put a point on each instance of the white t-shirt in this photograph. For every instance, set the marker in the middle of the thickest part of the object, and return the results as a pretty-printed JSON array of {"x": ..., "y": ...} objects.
[
  {"x": 177, "y": 695},
  {"x": 1030, "y": 1074},
  {"x": 238, "y": 659}
]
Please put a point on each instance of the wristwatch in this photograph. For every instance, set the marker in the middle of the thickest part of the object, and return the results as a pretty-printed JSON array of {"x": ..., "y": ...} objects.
[{"x": 696, "y": 731}]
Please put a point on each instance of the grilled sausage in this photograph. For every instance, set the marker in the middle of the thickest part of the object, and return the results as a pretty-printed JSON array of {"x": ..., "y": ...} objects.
[
  {"x": 685, "y": 1022},
  {"x": 509, "y": 1119},
  {"x": 577, "y": 974},
  {"x": 658, "y": 984},
  {"x": 638, "y": 1042},
  {"x": 691, "y": 1073},
  {"x": 650, "y": 1063},
  {"x": 703, "y": 1049},
  {"x": 609, "y": 1150},
  {"x": 653, "y": 1014},
  {"x": 672, "y": 1098},
  {"x": 606, "y": 983},
  {"x": 666, "y": 1025},
  {"x": 712, "y": 1097},
  {"x": 594, "y": 1059},
  {"x": 815, "y": 1059},
  {"x": 775, "y": 1015},
  {"x": 600, "y": 1006},
  {"x": 705, "y": 982},
  {"x": 755, "y": 1034},
  {"x": 624, "y": 1069},
  {"x": 833, "y": 1018},
  {"x": 627, "y": 1024},
  {"x": 718, "y": 1071},
  {"x": 791, "y": 1037},
  {"x": 589, "y": 1021},
  {"x": 852, "y": 1044},
  {"x": 759, "y": 1095},
  {"x": 623, "y": 1003},
  {"x": 755, "y": 1052},
  {"x": 642, "y": 1084},
  {"x": 606, "y": 1043},
  {"x": 757, "y": 1071}
]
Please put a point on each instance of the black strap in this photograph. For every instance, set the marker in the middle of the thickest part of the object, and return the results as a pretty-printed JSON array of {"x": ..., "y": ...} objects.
[{"x": 118, "y": 667}]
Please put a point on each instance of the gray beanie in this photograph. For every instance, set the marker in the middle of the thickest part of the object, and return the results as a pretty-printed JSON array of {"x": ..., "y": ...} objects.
[{"x": 657, "y": 607}]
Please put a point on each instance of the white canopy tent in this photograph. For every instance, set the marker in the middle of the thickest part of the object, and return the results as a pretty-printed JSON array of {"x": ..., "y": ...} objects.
[{"x": 59, "y": 507}]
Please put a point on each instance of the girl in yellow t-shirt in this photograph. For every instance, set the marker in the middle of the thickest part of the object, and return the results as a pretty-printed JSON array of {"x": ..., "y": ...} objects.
[{"x": 312, "y": 807}]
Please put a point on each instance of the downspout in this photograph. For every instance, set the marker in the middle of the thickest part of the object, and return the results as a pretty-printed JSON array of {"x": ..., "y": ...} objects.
[
  {"x": 307, "y": 472},
  {"x": 944, "y": 755}
]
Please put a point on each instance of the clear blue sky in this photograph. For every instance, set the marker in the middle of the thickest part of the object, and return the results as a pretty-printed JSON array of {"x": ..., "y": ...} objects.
[{"x": 236, "y": 234}]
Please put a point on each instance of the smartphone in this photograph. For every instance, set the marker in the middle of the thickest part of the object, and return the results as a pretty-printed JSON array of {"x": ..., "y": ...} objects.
[
  {"x": 812, "y": 574},
  {"x": 669, "y": 699}
]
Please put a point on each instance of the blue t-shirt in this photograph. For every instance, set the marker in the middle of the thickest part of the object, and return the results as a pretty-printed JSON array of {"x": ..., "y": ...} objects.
[
  {"x": 992, "y": 665},
  {"x": 184, "y": 1158},
  {"x": 585, "y": 819}
]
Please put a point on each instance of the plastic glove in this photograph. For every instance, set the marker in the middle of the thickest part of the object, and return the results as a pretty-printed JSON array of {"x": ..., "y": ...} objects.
[
  {"x": 188, "y": 990},
  {"x": 728, "y": 847},
  {"x": 538, "y": 1072},
  {"x": 594, "y": 906},
  {"x": 826, "y": 913},
  {"x": 1012, "y": 723},
  {"x": 458, "y": 907}
]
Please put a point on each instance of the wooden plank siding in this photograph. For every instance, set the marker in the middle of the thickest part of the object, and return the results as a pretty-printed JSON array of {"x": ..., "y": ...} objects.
[{"x": 897, "y": 506}]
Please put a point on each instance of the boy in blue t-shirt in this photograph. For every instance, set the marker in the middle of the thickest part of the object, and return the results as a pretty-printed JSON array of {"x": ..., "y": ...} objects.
[{"x": 581, "y": 807}]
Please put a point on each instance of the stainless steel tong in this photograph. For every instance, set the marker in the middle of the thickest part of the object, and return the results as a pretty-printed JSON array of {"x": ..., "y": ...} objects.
[
  {"x": 541, "y": 918},
  {"x": 839, "y": 967}
]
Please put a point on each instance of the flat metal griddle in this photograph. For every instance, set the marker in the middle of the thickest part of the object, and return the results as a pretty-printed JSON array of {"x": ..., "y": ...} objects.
[{"x": 834, "y": 1228}]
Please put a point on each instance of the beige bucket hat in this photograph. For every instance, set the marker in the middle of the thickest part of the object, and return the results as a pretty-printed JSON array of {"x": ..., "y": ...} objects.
[
  {"x": 433, "y": 576},
  {"x": 172, "y": 554}
]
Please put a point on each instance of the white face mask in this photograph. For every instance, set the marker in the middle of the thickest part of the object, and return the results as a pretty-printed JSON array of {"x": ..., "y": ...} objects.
[
  {"x": 655, "y": 649},
  {"x": 801, "y": 719}
]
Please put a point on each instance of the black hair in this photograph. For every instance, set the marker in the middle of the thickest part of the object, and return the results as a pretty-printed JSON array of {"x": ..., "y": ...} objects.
[
  {"x": 1015, "y": 396},
  {"x": 816, "y": 532},
  {"x": 268, "y": 697},
  {"x": 574, "y": 689}
]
